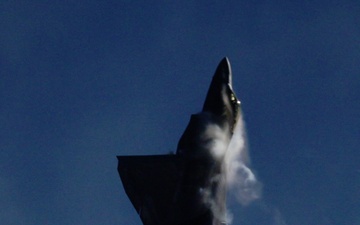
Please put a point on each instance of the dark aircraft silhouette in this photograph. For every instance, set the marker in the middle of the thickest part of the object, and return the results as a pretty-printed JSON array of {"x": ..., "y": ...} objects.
[{"x": 187, "y": 188}]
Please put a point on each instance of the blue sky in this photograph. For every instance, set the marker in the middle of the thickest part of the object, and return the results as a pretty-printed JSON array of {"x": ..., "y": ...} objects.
[{"x": 84, "y": 81}]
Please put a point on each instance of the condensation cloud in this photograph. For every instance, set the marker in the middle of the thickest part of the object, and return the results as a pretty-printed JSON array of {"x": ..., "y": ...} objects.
[{"x": 236, "y": 176}]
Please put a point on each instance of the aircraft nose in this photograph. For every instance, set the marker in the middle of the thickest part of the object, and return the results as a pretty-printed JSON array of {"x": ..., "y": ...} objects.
[
  {"x": 220, "y": 89},
  {"x": 223, "y": 71}
]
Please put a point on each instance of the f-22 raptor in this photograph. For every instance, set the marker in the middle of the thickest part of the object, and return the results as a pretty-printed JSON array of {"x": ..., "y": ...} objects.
[{"x": 184, "y": 188}]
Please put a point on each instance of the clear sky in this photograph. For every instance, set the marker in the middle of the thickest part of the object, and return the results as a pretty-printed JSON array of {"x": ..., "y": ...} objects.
[{"x": 84, "y": 81}]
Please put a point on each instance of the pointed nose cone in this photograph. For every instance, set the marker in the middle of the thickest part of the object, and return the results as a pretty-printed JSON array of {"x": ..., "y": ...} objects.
[
  {"x": 222, "y": 79},
  {"x": 221, "y": 100},
  {"x": 223, "y": 72}
]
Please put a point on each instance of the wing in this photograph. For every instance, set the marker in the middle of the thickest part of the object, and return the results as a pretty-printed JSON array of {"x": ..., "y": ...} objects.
[{"x": 155, "y": 187}]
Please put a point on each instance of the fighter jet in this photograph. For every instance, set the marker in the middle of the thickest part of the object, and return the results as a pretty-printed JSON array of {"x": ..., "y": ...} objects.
[{"x": 187, "y": 188}]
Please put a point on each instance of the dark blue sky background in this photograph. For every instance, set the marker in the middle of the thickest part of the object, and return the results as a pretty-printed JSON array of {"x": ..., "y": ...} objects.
[{"x": 84, "y": 81}]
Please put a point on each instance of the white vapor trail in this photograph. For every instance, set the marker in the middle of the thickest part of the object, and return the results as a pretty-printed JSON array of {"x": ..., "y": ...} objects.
[
  {"x": 239, "y": 178},
  {"x": 230, "y": 152}
]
